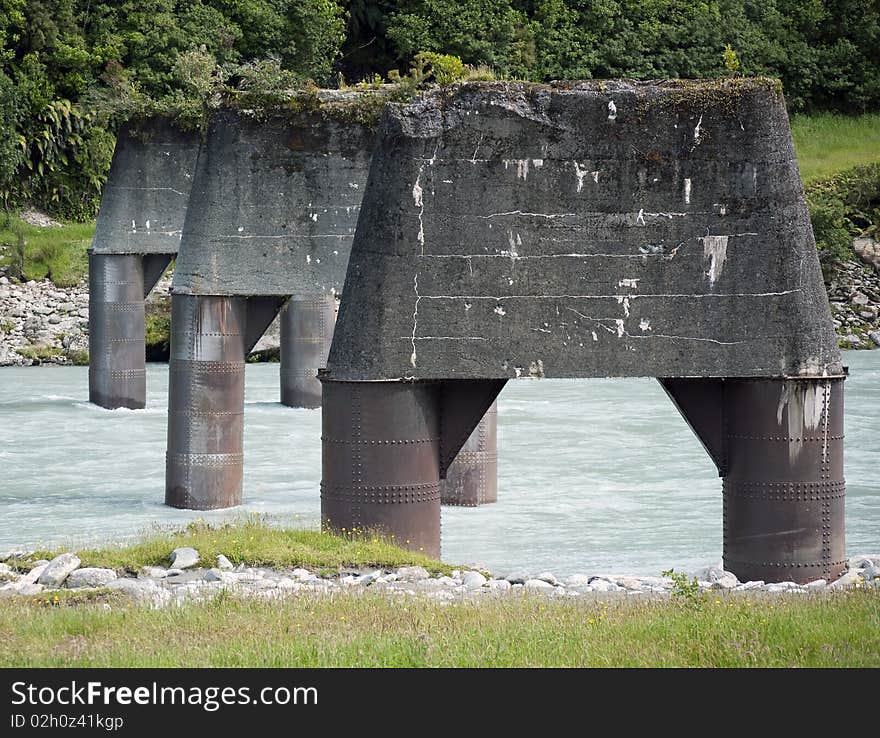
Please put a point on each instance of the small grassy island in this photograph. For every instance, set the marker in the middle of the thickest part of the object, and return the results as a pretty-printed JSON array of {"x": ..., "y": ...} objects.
[{"x": 303, "y": 598}]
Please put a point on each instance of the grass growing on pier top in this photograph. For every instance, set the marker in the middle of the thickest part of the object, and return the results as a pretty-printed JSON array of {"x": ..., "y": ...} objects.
[
  {"x": 253, "y": 542},
  {"x": 367, "y": 630}
]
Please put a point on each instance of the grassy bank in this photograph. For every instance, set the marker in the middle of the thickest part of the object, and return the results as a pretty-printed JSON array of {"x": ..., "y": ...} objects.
[
  {"x": 58, "y": 253},
  {"x": 255, "y": 543},
  {"x": 829, "y": 143},
  {"x": 364, "y": 628},
  {"x": 374, "y": 630}
]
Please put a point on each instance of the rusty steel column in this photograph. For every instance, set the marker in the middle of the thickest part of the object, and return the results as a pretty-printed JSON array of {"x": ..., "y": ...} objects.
[
  {"x": 381, "y": 461},
  {"x": 205, "y": 402},
  {"x": 306, "y": 334},
  {"x": 783, "y": 483},
  {"x": 117, "y": 364},
  {"x": 472, "y": 479}
]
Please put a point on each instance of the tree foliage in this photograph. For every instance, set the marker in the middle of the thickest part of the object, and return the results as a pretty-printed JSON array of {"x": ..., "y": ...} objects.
[{"x": 70, "y": 70}]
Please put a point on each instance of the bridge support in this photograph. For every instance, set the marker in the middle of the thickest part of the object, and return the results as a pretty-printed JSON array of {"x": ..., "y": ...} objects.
[
  {"x": 381, "y": 461},
  {"x": 118, "y": 286},
  {"x": 206, "y": 402},
  {"x": 778, "y": 445},
  {"x": 472, "y": 479},
  {"x": 306, "y": 334},
  {"x": 117, "y": 369}
]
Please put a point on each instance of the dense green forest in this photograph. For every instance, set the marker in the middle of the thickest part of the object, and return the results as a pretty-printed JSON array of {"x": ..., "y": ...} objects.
[{"x": 73, "y": 69}]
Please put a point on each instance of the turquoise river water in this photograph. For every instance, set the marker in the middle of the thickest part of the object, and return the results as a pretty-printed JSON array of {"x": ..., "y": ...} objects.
[{"x": 594, "y": 476}]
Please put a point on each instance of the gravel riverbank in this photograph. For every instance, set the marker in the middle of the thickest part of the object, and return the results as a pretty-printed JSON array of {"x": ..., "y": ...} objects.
[{"x": 190, "y": 579}]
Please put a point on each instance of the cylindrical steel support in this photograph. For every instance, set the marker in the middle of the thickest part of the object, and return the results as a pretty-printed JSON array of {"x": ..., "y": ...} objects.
[
  {"x": 784, "y": 488},
  {"x": 381, "y": 461},
  {"x": 306, "y": 334},
  {"x": 117, "y": 364},
  {"x": 472, "y": 479},
  {"x": 205, "y": 402}
]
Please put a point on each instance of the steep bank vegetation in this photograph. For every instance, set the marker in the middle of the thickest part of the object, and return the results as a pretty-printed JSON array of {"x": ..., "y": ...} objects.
[{"x": 71, "y": 70}]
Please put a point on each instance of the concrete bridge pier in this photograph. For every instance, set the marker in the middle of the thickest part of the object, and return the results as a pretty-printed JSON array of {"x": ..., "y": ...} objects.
[
  {"x": 118, "y": 285},
  {"x": 381, "y": 461},
  {"x": 210, "y": 337},
  {"x": 778, "y": 446},
  {"x": 306, "y": 334},
  {"x": 386, "y": 445}
]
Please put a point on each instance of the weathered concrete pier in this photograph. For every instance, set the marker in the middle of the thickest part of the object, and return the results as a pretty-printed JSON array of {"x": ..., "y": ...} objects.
[
  {"x": 136, "y": 237},
  {"x": 272, "y": 213},
  {"x": 589, "y": 230}
]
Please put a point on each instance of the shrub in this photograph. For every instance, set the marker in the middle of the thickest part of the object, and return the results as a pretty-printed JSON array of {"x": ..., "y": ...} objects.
[{"x": 842, "y": 207}]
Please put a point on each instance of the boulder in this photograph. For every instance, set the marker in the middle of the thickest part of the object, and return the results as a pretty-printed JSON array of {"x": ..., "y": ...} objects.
[
  {"x": 538, "y": 585},
  {"x": 412, "y": 573},
  {"x": 184, "y": 558},
  {"x": 577, "y": 580},
  {"x": 499, "y": 585},
  {"x": 90, "y": 576},
  {"x": 473, "y": 580},
  {"x": 59, "y": 569},
  {"x": 224, "y": 563},
  {"x": 518, "y": 577}
]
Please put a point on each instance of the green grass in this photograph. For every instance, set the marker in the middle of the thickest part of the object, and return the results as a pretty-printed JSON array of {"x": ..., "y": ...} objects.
[
  {"x": 371, "y": 630},
  {"x": 57, "y": 253},
  {"x": 39, "y": 354},
  {"x": 828, "y": 143},
  {"x": 255, "y": 543}
]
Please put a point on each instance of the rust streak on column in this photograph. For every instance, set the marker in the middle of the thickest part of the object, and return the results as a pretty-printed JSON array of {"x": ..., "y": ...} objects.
[
  {"x": 206, "y": 402},
  {"x": 117, "y": 368},
  {"x": 784, "y": 489},
  {"x": 381, "y": 461},
  {"x": 306, "y": 334}
]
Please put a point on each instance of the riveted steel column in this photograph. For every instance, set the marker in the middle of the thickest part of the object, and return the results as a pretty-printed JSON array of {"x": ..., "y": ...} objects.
[
  {"x": 205, "y": 402},
  {"x": 306, "y": 334},
  {"x": 381, "y": 461},
  {"x": 117, "y": 364},
  {"x": 472, "y": 479},
  {"x": 783, "y": 487}
]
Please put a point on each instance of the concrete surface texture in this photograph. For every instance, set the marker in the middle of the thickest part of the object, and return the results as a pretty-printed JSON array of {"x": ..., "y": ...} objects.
[{"x": 594, "y": 229}]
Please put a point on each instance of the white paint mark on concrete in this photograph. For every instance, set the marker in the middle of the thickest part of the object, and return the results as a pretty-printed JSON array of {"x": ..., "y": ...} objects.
[
  {"x": 580, "y": 174},
  {"x": 500, "y": 311},
  {"x": 644, "y": 325},
  {"x": 715, "y": 249},
  {"x": 417, "y": 194},
  {"x": 640, "y": 218},
  {"x": 612, "y": 110},
  {"x": 698, "y": 132},
  {"x": 687, "y": 191},
  {"x": 595, "y": 176},
  {"x": 479, "y": 143},
  {"x": 626, "y": 282}
]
